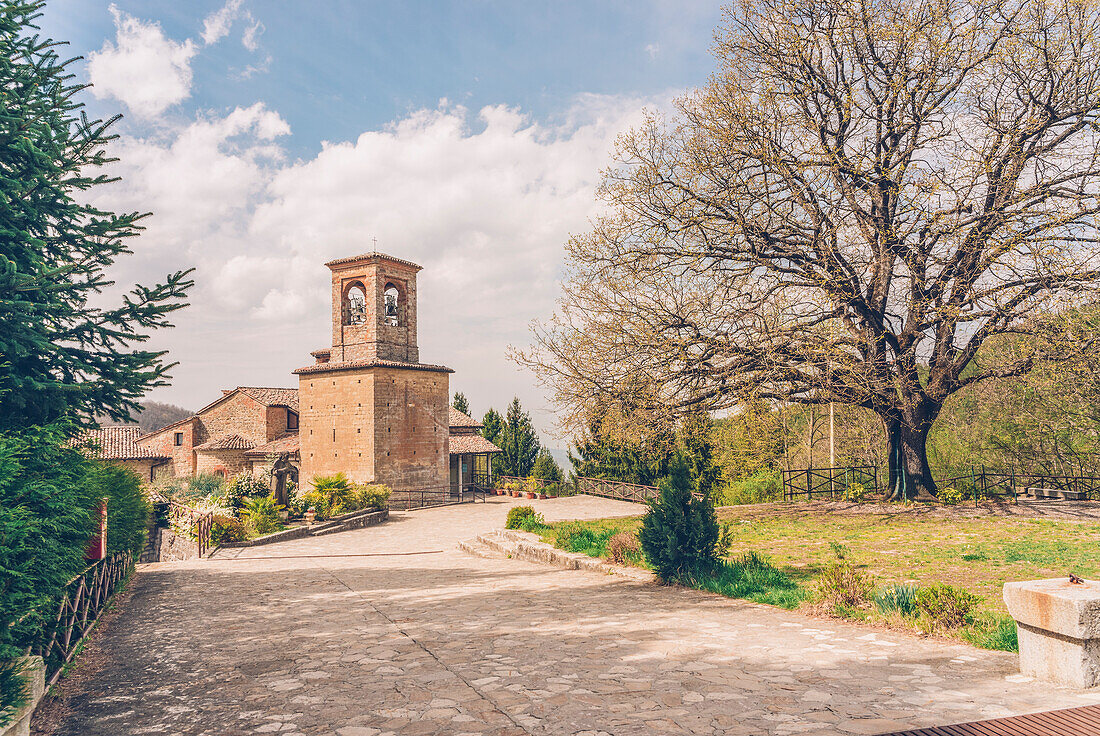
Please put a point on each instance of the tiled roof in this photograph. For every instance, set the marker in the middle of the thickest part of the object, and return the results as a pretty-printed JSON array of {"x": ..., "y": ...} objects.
[
  {"x": 462, "y": 444},
  {"x": 457, "y": 419},
  {"x": 287, "y": 397},
  {"x": 349, "y": 365},
  {"x": 115, "y": 443},
  {"x": 226, "y": 442},
  {"x": 286, "y": 444},
  {"x": 367, "y": 256}
]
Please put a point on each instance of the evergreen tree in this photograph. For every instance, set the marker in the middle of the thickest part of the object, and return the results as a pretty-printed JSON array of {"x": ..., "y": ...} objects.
[
  {"x": 460, "y": 403},
  {"x": 492, "y": 427},
  {"x": 697, "y": 448},
  {"x": 546, "y": 467},
  {"x": 680, "y": 532},
  {"x": 603, "y": 453},
  {"x": 61, "y": 353},
  {"x": 518, "y": 442}
]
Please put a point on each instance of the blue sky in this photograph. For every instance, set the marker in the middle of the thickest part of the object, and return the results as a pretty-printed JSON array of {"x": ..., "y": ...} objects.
[{"x": 267, "y": 137}]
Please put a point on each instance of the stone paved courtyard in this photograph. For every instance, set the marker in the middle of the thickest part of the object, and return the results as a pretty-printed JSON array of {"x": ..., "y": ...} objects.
[{"x": 392, "y": 630}]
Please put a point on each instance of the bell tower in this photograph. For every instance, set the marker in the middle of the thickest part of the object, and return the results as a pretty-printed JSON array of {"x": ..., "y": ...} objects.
[{"x": 373, "y": 309}]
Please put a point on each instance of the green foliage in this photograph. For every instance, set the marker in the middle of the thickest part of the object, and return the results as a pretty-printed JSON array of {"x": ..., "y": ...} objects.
[
  {"x": 583, "y": 538},
  {"x": 946, "y": 606},
  {"x": 13, "y": 690},
  {"x": 205, "y": 484},
  {"x": 546, "y": 467},
  {"x": 607, "y": 451},
  {"x": 696, "y": 445},
  {"x": 854, "y": 493},
  {"x": 765, "y": 486},
  {"x": 370, "y": 496},
  {"x": 65, "y": 354},
  {"x": 127, "y": 508},
  {"x": 750, "y": 576},
  {"x": 518, "y": 443},
  {"x": 460, "y": 403},
  {"x": 999, "y": 633},
  {"x": 725, "y": 540},
  {"x": 839, "y": 549},
  {"x": 680, "y": 532},
  {"x": 842, "y": 584},
  {"x": 517, "y": 514},
  {"x": 227, "y": 529},
  {"x": 492, "y": 426},
  {"x": 950, "y": 496},
  {"x": 897, "y": 597},
  {"x": 261, "y": 514},
  {"x": 750, "y": 442},
  {"x": 331, "y": 495}
]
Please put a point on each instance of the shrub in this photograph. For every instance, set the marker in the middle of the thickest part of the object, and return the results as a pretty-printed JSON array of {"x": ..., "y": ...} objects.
[
  {"x": 370, "y": 496},
  {"x": 839, "y": 549},
  {"x": 262, "y": 514},
  {"x": 897, "y": 597},
  {"x": 204, "y": 484},
  {"x": 946, "y": 606},
  {"x": 623, "y": 548},
  {"x": 854, "y": 493},
  {"x": 532, "y": 523},
  {"x": 127, "y": 508},
  {"x": 241, "y": 486},
  {"x": 227, "y": 529},
  {"x": 516, "y": 516},
  {"x": 843, "y": 585},
  {"x": 13, "y": 690},
  {"x": 577, "y": 537},
  {"x": 680, "y": 532},
  {"x": 763, "y": 486},
  {"x": 331, "y": 496},
  {"x": 950, "y": 496},
  {"x": 725, "y": 540}
]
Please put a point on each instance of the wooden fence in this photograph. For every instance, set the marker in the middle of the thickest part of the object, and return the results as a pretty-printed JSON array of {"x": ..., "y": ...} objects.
[
  {"x": 83, "y": 600},
  {"x": 616, "y": 489}
]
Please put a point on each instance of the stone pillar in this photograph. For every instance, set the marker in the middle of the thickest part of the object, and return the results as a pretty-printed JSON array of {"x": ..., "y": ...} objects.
[{"x": 1059, "y": 629}]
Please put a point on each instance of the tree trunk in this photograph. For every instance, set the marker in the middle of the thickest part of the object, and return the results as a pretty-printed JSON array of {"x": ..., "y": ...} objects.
[{"x": 909, "y": 477}]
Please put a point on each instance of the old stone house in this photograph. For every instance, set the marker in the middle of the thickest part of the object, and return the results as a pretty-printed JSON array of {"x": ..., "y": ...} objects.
[
  {"x": 119, "y": 445},
  {"x": 366, "y": 407}
]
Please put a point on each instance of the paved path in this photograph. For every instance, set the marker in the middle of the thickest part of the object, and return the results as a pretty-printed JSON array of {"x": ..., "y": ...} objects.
[{"x": 390, "y": 630}]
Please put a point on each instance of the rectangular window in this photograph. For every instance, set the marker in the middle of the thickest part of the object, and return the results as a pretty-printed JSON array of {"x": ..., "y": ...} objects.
[
  {"x": 291, "y": 420},
  {"x": 179, "y": 439}
]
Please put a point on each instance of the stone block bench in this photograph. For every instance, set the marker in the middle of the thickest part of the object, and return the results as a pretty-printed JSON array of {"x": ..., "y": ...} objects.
[{"x": 1058, "y": 622}]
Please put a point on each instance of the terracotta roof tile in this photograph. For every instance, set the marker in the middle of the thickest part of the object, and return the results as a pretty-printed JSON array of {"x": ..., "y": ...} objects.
[
  {"x": 226, "y": 442},
  {"x": 115, "y": 443},
  {"x": 287, "y": 397},
  {"x": 286, "y": 444},
  {"x": 370, "y": 256},
  {"x": 458, "y": 419},
  {"x": 467, "y": 443},
  {"x": 348, "y": 365}
]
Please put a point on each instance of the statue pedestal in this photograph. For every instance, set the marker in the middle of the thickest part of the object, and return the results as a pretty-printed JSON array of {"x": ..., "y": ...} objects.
[{"x": 1059, "y": 629}]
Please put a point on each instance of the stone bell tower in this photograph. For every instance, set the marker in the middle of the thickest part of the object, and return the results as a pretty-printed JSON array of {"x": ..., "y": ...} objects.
[
  {"x": 368, "y": 407},
  {"x": 374, "y": 309}
]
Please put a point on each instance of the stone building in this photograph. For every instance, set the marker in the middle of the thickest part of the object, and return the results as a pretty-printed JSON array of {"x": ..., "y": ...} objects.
[
  {"x": 367, "y": 407},
  {"x": 119, "y": 445}
]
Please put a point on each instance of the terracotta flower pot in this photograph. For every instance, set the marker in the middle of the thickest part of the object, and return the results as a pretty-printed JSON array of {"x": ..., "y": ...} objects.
[
  {"x": 543, "y": 497},
  {"x": 531, "y": 495}
]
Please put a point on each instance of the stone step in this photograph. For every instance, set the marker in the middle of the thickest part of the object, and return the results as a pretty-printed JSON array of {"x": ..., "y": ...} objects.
[
  {"x": 523, "y": 546},
  {"x": 328, "y": 529}
]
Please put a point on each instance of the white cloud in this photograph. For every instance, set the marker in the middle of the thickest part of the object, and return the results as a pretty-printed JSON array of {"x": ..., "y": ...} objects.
[
  {"x": 653, "y": 49},
  {"x": 484, "y": 202},
  {"x": 143, "y": 69},
  {"x": 216, "y": 26},
  {"x": 251, "y": 36}
]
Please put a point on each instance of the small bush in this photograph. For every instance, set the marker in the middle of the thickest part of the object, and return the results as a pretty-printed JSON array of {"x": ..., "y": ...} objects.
[
  {"x": 843, "y": 585},
  {"x": 839, "y": 549},
  {"x": 127, "y": 508},
  {"x": 582, "y": 538},
  {"x": 227, "y": 529},
  {"x": 680, "y": 532},
  {"x": 623, "y": 548},
  {"x": 532, "y": 523},
  {"x": 372, "y": 496},
  {"x": 332, "y": 495},
  {"x": 13, "y": 690},
  {"x": 204, "y": 484},
  {"x": 725, "y": 540},
  {"x": 763, "y": 486},
  {"x": 241, "y": 486},
  {"x": 950, "y": 496},
  {"x": 947, "y": 607},
  {"x": 262, "y": 515},
  {"x": 516, "y": 515},
  {"x": 898, "y": 597},
  {"x": 855, "y": 493}
]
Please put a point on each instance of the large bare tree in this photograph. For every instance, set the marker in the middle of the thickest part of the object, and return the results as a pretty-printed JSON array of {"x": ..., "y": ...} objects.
[{"x": 863, "y": 194}]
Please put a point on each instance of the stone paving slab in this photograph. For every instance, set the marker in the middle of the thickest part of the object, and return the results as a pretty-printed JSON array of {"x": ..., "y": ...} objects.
[{"x": 391, "y": 630}]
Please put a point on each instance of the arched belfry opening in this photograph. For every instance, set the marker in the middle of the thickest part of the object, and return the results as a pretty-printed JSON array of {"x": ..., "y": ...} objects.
[
  {"x": 392, "y": 300},
  {"x": 355, "y": 304}
]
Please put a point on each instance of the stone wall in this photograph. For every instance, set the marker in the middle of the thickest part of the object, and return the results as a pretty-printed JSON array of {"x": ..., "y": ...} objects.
[
  {"x": 183, "y": 455},
  {"x": 239, "y": 414},
  {"x": 337, "y": 416},
  {"x": 374, "y": 338}
]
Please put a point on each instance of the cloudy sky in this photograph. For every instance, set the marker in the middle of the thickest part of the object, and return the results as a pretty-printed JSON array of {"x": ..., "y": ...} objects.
[{"x": 267, "y": 137}]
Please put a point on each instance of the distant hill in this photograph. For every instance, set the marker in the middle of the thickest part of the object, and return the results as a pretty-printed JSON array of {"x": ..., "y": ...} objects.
[{"x": 153, "y": 416}]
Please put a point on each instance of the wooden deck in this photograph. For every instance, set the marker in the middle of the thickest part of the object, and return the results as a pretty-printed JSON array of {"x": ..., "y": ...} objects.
[{"x": 1069, "y": 722}]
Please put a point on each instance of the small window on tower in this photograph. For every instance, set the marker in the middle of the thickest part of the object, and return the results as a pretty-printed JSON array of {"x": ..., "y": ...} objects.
[
  {"x": 179, "y": 439},
  {"x": 292, "y": 420},
  {"x": 393, "y": 306}
]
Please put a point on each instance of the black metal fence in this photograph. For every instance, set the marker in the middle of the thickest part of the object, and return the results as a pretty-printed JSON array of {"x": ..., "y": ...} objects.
[
  {"x": 406, "y": 499},
  {"x": 84, "y": 599},
  {"x": 808, "y": 483}
]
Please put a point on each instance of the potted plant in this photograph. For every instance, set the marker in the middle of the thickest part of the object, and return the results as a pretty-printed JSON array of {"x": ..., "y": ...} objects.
[
  {"x": 532, "y": 495},
  {"x": 311, "y": 514}
]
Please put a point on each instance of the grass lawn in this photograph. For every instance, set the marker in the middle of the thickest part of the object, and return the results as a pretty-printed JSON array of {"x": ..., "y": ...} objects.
[{"x": 978, "y": 554}]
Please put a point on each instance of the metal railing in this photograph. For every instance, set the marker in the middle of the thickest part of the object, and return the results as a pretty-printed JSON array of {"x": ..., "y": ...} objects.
[
  {"x": 83, "y": 600},
  {"x": 407, "y": 499},
  {"x": 197, "y": 524},
  {"x": 832, "y": 482},
  {"x": 533, "y": 485}
]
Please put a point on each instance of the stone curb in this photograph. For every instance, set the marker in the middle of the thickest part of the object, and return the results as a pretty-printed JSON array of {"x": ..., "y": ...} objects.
[
  {"x": 528, "y": 547},
  {"x": 356, "y": 520}
]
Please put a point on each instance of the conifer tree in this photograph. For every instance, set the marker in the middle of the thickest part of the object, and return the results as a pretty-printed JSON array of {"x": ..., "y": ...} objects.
[
  {"x": 492, "y": 427},
  {"x": 680, "y": 532},
  {"x": 518, "y": 441},
  {"x": 546, "y": 467},
  {"x": 62, "y": 354},
  {"x": 460, "y": 403},
  {"x": 697, "y": 447}
]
